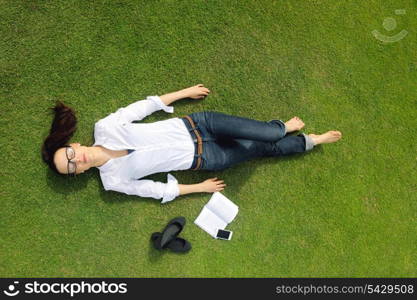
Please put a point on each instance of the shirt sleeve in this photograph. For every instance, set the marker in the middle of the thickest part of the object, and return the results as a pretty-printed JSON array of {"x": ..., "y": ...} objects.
[
  {"x": 139, "y": 110},
  {"x": 148, "y": 188}
]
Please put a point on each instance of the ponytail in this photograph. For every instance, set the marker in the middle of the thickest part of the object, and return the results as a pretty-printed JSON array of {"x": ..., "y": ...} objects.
[{"x": 62, "y": 129}]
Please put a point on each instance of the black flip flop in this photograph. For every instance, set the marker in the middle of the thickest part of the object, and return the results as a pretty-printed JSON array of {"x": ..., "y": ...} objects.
[
  {"x": 178, "y": 245},
  {"x": 172, "y": 230}
]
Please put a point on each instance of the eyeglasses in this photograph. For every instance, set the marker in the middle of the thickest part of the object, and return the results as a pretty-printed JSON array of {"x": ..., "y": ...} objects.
[{"x": 72, "y": 166}]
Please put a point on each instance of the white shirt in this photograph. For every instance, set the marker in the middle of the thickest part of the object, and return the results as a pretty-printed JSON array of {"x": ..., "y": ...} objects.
[{"x": 159, "y": 147}]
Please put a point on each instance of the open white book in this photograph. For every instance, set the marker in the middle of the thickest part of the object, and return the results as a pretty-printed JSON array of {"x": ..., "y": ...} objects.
[{"x": 216, "y": 214}]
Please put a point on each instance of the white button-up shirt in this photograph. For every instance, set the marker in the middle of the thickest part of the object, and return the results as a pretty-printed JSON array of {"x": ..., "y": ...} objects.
[{"x": 159, "y": 147}]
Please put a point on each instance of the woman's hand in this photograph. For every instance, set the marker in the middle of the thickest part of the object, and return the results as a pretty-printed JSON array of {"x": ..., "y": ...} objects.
[
  {"x": 196, "y": 92},
  {"x": 212, "y": 185}
]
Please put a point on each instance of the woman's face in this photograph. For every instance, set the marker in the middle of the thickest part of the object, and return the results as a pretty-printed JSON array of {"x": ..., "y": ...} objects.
[{"x": 73, "y": 159}]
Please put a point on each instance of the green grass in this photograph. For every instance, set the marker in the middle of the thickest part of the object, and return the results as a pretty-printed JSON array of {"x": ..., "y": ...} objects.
[{"x": 343, "y": 210}]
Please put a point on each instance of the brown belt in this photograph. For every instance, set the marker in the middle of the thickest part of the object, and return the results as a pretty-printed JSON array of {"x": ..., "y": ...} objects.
[{"x": 199, "y": 142}]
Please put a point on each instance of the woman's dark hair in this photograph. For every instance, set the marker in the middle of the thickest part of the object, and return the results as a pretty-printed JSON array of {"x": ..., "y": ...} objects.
[{"x": 62, "y": 129}]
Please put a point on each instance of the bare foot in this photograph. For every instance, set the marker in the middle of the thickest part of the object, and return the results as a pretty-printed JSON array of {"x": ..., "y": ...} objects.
[
  {"x": 294, "y": 124},
  {"x": 331, "y": 136}
]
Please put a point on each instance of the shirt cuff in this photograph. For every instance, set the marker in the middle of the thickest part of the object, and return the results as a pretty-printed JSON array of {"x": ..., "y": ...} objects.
[
  {"x": 172, "y": 190},
  {"x": 161, "y": 105}
]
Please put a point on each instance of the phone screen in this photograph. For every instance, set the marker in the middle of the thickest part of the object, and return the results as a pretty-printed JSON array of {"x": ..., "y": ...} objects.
[{"x": 223, "y": 234}]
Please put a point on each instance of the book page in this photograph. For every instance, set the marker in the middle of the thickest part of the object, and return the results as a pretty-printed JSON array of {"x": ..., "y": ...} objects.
[
  {"x": 223, "y": 207},
  {"x": 209, "y": 222}
]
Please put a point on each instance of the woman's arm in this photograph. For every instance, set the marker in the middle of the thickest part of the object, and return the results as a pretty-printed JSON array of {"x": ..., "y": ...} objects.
[
  {"x": 195, "y": 92},
  {"x": 208, "y": 186}
]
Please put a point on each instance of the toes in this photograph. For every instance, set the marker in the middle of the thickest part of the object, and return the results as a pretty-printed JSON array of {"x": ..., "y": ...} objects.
[{"x": 299, "y": 120}]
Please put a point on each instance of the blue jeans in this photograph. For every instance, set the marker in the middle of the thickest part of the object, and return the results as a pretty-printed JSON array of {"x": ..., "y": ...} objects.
[{"x": 228, "y": 140}]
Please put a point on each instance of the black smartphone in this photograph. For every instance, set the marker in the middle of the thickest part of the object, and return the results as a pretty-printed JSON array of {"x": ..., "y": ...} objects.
[{"x": 224, "y": 234}]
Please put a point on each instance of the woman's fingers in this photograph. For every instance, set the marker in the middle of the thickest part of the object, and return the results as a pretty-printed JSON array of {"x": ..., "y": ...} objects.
[
  {"x": 220, "y": 184},
  {"x": 203, "y": 88},
  {"x": 217, "y": 181}
]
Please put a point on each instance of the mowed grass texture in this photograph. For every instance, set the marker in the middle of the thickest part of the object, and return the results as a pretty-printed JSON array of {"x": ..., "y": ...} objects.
[{"x": 344, "y": 210}]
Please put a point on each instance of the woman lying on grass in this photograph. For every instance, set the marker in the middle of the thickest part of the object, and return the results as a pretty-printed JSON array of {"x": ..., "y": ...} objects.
[{"x": 125, "y": 152}]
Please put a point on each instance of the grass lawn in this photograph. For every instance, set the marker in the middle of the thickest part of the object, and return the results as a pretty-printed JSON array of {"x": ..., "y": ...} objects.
[{"x": 344, "y": 210}]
